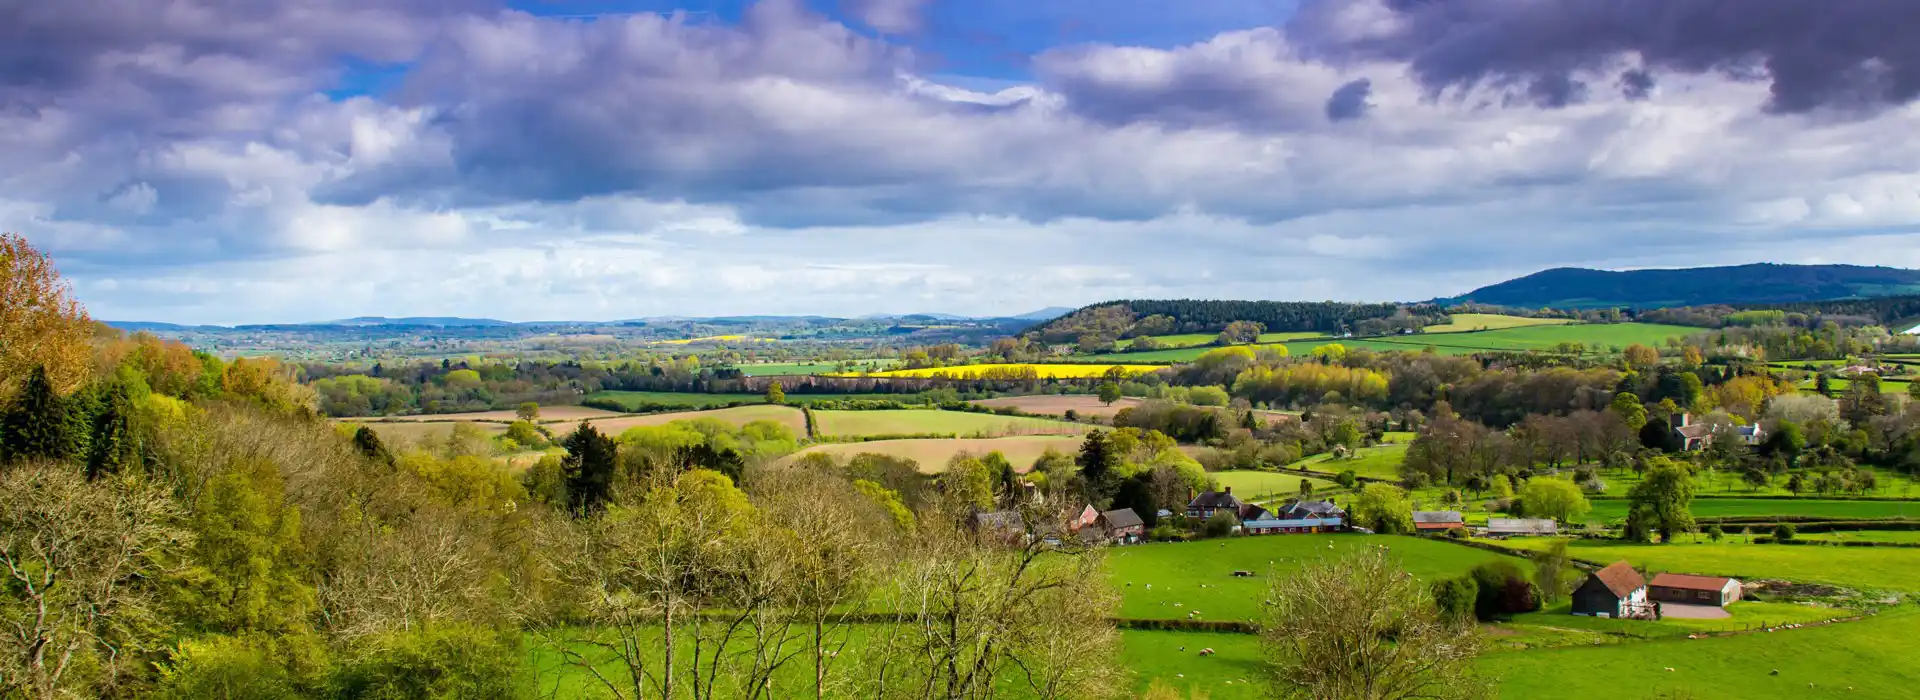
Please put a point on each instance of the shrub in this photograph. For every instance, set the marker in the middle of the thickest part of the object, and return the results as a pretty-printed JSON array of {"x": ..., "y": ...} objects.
[
  {"x": 1456, "y": 597},
  {"x": 1503, "y": 590},
  {"x": 451, "y": 662},
  {"x": 1347, "y": 479},
  {"x": 1783, "y": 532},
  {"x": 1221, "y": 524},
  {"x": 226, "y": 667}
]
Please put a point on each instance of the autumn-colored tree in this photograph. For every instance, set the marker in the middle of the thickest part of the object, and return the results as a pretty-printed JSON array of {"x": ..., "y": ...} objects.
[
  {"x": 775, "y": 393},
  {"x": 1641, "y": 357},
  {"x": 41, "y": 325}
]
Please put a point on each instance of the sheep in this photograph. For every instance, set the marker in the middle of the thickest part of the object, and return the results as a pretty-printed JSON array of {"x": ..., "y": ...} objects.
[{"x": 1669, "y": 669}]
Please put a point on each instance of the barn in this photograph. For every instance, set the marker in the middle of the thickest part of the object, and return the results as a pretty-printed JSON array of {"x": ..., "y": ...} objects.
[
  {"x": 1717, "y": 591},
  {"x": 1615, "y": 591}
]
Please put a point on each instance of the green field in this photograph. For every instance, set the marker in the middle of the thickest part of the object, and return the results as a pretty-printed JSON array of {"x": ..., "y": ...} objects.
[
  {"x": 775, "y": 369},
  {"x": 633, "y": 400},
  {"x": 1487, "y": 322},
  {"x": 1707, "y": 508},
  {"x": 1877, "y": 568},
  {"x": 1256, "y": 485},
  {"x": 1380, "y": 462},
  {"x": 1198, "y": 340},
  {"x": 1596, "y": 337},
  {"x": 935, "y": 422},
  {"x": 1899, "y": 536},
  {"x": 1197, "y": 576},
  {"x": 1726, "y": 483},
  {"x": 1874, "y": 658}
]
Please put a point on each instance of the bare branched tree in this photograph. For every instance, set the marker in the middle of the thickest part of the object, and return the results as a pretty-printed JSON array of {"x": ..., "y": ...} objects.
[
  {"x": 80, "y": 562},
  {"x": 1360, "y": 627}
]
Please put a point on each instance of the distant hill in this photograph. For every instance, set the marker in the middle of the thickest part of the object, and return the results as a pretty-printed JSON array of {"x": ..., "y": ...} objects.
[
  {"x": 441, "y": 321},
  {"x": 1764, "y": 283},
  {"x": 132, "y": 326},
  {"x": 1046, "y": 314}
]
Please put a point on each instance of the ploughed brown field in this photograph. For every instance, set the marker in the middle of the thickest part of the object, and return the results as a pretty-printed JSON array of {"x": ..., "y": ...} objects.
[{"x": 932, "y": 454}]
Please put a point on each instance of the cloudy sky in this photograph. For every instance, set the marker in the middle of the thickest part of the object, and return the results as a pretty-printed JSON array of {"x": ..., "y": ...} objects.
[{"x": 234, "y": 161}]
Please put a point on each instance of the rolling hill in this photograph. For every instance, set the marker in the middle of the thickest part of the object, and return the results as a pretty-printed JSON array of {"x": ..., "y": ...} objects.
[{"x": 1762, "y": 283}]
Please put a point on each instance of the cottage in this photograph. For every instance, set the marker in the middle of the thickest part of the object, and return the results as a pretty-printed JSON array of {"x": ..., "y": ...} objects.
[
  {"x": 1296, "y": 510},
  {"x": 1438, "y": 521},
  {"x": 1717, "y": 591},
  {"x": 1694, "y": 435},
  {"x": 1519, "y": 527},
  {"x": 1615, "y": 591},
  {"x": 1249, "y": 511},
  {"x": 1086, "y": 516},
  {"x": 1210, "y": 502},
  {"x": 1122, "y": 526}
]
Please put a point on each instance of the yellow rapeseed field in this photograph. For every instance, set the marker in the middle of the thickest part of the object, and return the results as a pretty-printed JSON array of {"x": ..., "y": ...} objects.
[
  {"x": 707, "y": 339},
  {"x": 1014, "y": 371}
]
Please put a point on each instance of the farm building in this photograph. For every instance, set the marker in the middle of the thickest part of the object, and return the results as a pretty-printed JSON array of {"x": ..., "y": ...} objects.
[
  {"x": 1206, "y": 504},
  {"x": 1122, "y": 526},
  {"x": 1438, "y": 521},
  {"x": 1694, "y": 590},
  {"x": 1520, "y": 527},
  {"x": 1615, "y": 591},
  {"x": 1004, "y": 523},
  {"x": 1278, "y": 526},
  {"x": 1086, "y": 516},
  {"x": 1694, "y": 435}
]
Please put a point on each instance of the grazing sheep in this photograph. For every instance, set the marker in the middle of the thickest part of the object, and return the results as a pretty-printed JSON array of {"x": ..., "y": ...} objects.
[{"x": 1669, "y": 669}]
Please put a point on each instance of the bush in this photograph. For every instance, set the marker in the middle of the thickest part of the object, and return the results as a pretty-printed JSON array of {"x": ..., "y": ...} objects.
[
  {"x": 1221, "y": 524},
  {"x": 230, "y": 667},
  {"x": 1783, "y": 532},
  {"x": 452, "y": 662},
  {"x": 1347, "y": 479},
  {"x": 1456, "y": 597},
  {"x": 1503, "y": 591}
]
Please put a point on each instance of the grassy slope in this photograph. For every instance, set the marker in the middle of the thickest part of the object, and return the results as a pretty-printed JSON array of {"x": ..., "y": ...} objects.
[
  {"x": 1874, "y": 658},
  {"x": 1487, "y": 322},
  {"x": 1879, "y": 568},
  {"x": 632, "y": 399},
  {"x": 1534, "y": 337},
  {"x": 932, "y": 454},
  {"x": 1706, "y": 508},
  {"x": 1250, "y": 485},
  {"x": 919, "y": 422},
  {"x": 1177, "y": 571},
  {"x": 1381, "y": 462},
  {"x": 737, "y": 415},
  {"x": 1066, "y": 370}
]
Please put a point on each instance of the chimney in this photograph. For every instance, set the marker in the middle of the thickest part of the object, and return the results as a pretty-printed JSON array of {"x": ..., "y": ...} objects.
[{"x": 1229, "y": 490}]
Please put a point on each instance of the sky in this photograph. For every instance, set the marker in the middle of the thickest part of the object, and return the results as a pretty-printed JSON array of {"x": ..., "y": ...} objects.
[{"x": 255, "y": 161}]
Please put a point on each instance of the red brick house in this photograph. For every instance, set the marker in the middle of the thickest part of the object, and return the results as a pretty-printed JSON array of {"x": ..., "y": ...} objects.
[{"x": 1122, "y": 526}]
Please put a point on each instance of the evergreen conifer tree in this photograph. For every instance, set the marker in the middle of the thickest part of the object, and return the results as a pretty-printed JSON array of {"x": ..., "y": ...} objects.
[{"x": 35, "y": 424}]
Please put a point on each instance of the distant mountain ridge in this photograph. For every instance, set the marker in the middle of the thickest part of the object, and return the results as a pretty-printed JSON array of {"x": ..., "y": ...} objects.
[{"x": 1759, "y": 283}]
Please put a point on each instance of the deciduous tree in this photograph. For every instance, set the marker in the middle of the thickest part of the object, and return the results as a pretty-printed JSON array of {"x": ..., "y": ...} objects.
[
  {"x": 41, "y": 325},
  {"x": 1662, "y": 502}
]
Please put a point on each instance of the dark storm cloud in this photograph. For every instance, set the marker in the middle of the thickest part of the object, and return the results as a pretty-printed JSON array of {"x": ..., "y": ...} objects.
[
  {"x": 1847, "y": 54},
  {"x": 1636, "y": 84},
  {"x": 1350, "y": 101},
  {"x": 1249, "y": 80}
]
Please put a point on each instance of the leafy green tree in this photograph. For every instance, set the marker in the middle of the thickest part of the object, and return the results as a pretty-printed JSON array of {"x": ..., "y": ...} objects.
[
  {"x": 113, "y": 445},
  {"x": 368, "y": 443},
  {"x": 969, "y": 481},
  {"x": 1006, "y": 481},
  {"x": 35, "y": 425},
  {"x": 246, "y": 551},
  {"x": 529, "y": 412},
  {"x": 1347, "y": 478},
  {"x": 1109, "y": 392},
  {"x": 1306, "y": 488},
  {"x": 1629, "y": 408},
  {"x": 589, "y": 469},
  {"x": 1783, "y": 532},
  {"x": 1823, "y": 384},
  {"x": 1554, "y": 498},
  {"x": 1550, "y": 569},
  {"x": 1716, "y": 534},
  {"x": 1456, "y": 597},
  {"x": 1504, "y": 590},
  {"x": 1098, "y": 462},
  {"x": 439, "y": 662},
  {"x": 1663, "y": 500},
  {"x": 1383, "y": 508},
  {"x": 776, "y": 394},
  {"x": 1502, "y": 487}
]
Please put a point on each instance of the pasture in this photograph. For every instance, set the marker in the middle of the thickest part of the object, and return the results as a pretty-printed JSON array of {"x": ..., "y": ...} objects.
[
  {"x": 548, "y": 414},
  {"x": 932, "y": 454},
  {"x": 1263, "y": 486},
  {"x": 788, "y": 416},
  {"x": 1059, "y": 404},
  {"x": 937, "y": 422},
  {"x": 1378, "y": 462},
  {"x": 1874, "y": 568},
  {"x": 415, "y": 432},
  {"x": 1195, "y": 340},
  {"x": 636, "y": 399},
  {"x": 1044, "y": 371},
  {"x": 1170, "y": 580},
  {"x": 1707, "y": 508},
  {"x": 1872, "y": 658},
  {"x": 780, "y": 369},
  {"x": 1487, "y": 322}
]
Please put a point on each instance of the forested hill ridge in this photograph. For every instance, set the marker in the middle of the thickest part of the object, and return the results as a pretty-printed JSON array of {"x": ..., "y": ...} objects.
[
  {"x": 1144, "y": 317},
  {"x": 1761, "y": 283}
]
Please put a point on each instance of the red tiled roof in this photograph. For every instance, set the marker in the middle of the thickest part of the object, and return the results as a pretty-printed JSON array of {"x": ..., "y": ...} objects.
[
  {"x": 1691, "y": 582},
  {"x": 1620, "y": 578},
  {"x": 1437, "y": 526}
]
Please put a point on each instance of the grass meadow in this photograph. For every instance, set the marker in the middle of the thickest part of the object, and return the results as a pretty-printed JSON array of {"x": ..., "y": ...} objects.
[
  {"x": 1487, "y": 322},
  {"x": 1045, "y": 371},
  {"x": 1705, "y": 509},
  {"x": 1873, "y": 658},
  {"x": 1262, "y": 486},
  {"x": 1378, "y": 462},
  {"x": 1873, "y": 568},
  {"x": 932, "y": 454},
  {"x": 937, "y": 422},
  {"x": 1169, "y": 580}
]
